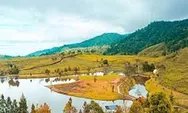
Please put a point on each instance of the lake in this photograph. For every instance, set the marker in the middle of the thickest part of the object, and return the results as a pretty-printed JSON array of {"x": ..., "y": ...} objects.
[{"x": 36, "y": 93}]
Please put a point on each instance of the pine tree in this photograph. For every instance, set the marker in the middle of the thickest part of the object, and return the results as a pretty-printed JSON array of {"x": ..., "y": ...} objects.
[
  {"x": 8, "y": 105},
  {"x": 23, "y": 105},
  {"x": 15, "y": 107},
  {"x": 2, "y": 104}
]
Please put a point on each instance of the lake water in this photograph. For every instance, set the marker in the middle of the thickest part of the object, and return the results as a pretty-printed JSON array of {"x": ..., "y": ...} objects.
[{"x": 36, "y": 93}]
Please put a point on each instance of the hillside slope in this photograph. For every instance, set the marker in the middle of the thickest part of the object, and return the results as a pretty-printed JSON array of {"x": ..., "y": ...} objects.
[
  {"x": 154, "y": 51},
  {"x": 173, "y": 34},
  {"x": 101, "y": 40},
  {"x": 176, "y": 75}
]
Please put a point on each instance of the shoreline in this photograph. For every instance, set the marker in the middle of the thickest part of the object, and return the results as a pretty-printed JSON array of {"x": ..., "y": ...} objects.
[{"x": 62, "y": 92}]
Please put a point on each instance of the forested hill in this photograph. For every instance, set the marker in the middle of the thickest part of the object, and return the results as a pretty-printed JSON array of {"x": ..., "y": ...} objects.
[
  {"x": 101, "y": 40},
  {"x": 173, "y": 34}
]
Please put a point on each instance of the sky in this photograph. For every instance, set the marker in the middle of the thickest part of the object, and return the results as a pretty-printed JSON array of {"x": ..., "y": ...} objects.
[{"x": 30, "y": 25}]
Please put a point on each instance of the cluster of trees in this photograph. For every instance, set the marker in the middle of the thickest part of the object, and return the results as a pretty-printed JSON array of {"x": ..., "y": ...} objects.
[
  {"x": 139, "y": 67},
  {"x": 173, "y": 34},
  {"x": 92, "y": 107},
  {"x": 148, "y": 67},
  {"x": 155, "y": 103},
  {"x": 13, "y": 106},
  {"x": 9, "y": 106},
  {"x": 13, "y": 69},
  {"x": 42, "y": 109},
  {"x": 61, "y": 72}
]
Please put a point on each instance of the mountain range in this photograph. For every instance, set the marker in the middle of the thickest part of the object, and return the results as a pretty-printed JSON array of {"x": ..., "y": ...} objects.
[
  {"x": 161, "y": 37},
  {"x": 105, "y": 39}
]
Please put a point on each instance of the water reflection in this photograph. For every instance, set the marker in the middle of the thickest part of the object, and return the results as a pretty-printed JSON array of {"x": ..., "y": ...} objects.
[
  {"x": 36, "y": 93},
  {"x": 13, "y": 82}
]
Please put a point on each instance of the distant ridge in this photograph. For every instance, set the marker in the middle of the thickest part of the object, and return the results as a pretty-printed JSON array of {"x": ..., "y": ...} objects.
[{"x": 101, "y": 40}]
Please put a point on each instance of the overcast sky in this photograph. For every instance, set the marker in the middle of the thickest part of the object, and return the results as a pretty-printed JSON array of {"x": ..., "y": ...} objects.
[{"x": 30, "y": 25}]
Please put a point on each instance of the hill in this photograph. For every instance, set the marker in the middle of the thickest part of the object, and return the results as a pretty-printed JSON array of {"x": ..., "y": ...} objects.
[
  {"x": 101, "y": 40},
  {"x": 176, "y": 75},
  {"x": 173, "y": 34},
  {"x": 154, "y": 51}
]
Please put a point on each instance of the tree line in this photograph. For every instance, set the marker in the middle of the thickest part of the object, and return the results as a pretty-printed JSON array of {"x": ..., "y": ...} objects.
[{"x": 154, "y": 103}]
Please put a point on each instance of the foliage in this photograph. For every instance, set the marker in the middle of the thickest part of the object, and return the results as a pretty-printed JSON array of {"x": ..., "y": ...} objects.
[
  {"x": 9, "y": 106},
  {"x": 136, "y": 108},
  {"x": 47, "y": 71},
  {"x": 93, "y": 107},
  {"x": 173, "y": 34},
  {"x": 101, "y": 40},
  {"x": 33, "y": 110},
  {"x": 69, "y": 108},
  {"x": 148, "y": 67},
  {"x": 159, "y": 103},
  {"x": 43, "y": 109},
  {"x": 105, "y": 61},
  {"x": 13, "y": 69},
  {"x": 23, "y": 104}
]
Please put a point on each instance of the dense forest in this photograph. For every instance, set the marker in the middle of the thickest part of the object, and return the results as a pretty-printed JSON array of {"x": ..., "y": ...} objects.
[
  {"x": 101, "y": 40},
  {"x": 173, "y": 34}
]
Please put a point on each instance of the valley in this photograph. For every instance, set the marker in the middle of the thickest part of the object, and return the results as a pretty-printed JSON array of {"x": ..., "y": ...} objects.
[{"x": 112, "y": 69}]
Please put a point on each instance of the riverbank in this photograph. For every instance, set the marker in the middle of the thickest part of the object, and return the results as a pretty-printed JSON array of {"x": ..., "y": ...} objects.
[{"x": 105, "y": 88}]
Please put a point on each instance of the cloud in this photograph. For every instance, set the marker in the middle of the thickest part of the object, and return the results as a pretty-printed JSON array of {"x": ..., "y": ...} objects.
[{"x": 50, "y": 23}]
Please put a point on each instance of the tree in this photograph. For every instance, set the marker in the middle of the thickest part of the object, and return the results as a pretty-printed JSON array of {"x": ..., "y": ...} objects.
[
  {"x": 13, "y": 70},
  {"x": 2, "y": 104},
  {"x": 69, "y": 108},
  {"x": 15, "y": 107},
  {"x": 136, "y": 108},
  {"x": 23, "y": 104},
  {"x": 159, "y": 103},
  {"x": 93, "y": 107},
  {"x": 43, "y": 109},
  {"x": 105, "y": 61},
  {"x": 65, "y": 70},
  {"x": 33, "y": 108},
  {"x": 76, "y": 69},
  {"x": 8, "y": 105},
  {"x": 148, "y": 67},
  {"x": 86, "y": 107},
  {"x": 47, "y": 71}
]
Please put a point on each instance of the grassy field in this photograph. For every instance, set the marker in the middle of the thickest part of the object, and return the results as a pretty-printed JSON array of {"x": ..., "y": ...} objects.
[
  {"x": 87, "y": 88},
  {"x": 82, "y": 61}
]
